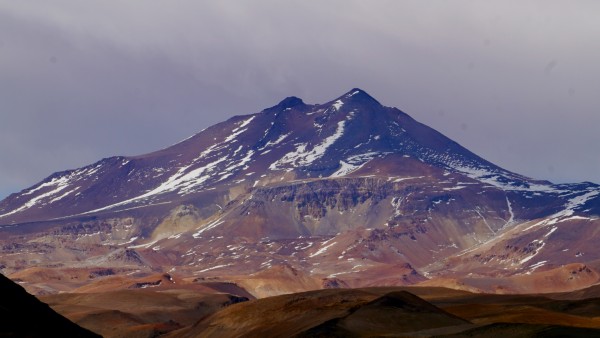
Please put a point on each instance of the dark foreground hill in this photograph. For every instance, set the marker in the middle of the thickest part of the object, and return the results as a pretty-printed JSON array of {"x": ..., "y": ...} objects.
[{"x": 23, "y": 315}]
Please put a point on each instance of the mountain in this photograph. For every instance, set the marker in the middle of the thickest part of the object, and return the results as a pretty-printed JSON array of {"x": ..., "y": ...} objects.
[{"x": 301, "y": 196}]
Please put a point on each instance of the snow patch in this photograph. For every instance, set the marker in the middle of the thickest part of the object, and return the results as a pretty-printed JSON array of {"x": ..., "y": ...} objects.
[
  {"x": 131, "y": 240},
  {"x": 526, "y": 259},
  {"x": 215, "y": 267},
  {"x": 338, "y": 104},
  {"x": 345, "y": 168},
  {"x": 458, "y": 187},
  {"x": 537, "y": 265},
  {"x": 323, "y": 248},
  {"x": 146, "y": 246},
  {"x": 511, "y": 219},
  {"x": 208, "y": 226},
  {"x": 185, "y": 182},
  {"x": 276, "y": 142},
  {"x": 567, "y": 213},
  {"x": 59, "y": 183},
  {"x": 354, "y": 163},
  {"x": 551, "y": 231},
  {"x": 497, "y": 178},
  {"x": 407, "y": 178},
  {"x": 302, "y": 157},
  {"x": 240, "y": 129}
]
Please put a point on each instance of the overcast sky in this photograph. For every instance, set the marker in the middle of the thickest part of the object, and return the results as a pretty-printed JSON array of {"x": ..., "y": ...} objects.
[{"x": 517, "y": 82}]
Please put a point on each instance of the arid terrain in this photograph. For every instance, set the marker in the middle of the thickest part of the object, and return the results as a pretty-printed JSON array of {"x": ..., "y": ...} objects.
[{"x": 196, "y": 311}]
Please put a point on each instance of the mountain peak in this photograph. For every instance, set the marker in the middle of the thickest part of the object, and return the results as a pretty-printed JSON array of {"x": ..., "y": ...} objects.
[
  {"x": 290, "y": 102},
  {"x": 354, "y": 91},
  {"x": 358, "y": 95}
]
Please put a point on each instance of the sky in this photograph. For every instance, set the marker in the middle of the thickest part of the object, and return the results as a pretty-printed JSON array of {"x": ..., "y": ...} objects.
[{"x": 516, "y": 82}]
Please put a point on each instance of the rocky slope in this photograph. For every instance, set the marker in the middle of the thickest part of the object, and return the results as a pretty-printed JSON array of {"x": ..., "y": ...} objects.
[{"x": 299, "y": 196}]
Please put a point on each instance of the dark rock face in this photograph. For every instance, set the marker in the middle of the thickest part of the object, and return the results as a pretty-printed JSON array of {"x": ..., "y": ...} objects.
[{"x": 23, "y": 315}]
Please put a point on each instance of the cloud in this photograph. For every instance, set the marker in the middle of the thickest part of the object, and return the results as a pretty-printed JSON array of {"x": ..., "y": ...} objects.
[{"x": 81, "y": 81}]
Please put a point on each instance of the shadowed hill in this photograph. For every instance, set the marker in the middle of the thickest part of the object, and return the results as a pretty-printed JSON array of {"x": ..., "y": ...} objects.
[
  {"x": 325, "y": 313},
  {"x": 23, "y": 315}
]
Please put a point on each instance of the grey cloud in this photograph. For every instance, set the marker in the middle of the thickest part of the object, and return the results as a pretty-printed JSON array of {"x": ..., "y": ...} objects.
[{"x": 80, "y": 81}]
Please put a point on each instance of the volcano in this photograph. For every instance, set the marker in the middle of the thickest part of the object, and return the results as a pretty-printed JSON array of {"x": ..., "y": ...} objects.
[{"x": 306, "y": 196}]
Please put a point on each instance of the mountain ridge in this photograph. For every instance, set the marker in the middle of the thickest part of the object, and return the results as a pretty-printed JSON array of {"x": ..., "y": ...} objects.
[{"x": 430, "y": 140}]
